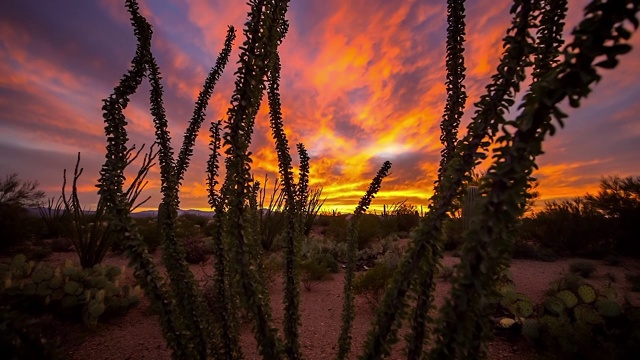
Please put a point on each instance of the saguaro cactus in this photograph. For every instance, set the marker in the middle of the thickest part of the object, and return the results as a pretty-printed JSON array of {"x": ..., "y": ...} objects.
[{"x": 469, "y": 207}]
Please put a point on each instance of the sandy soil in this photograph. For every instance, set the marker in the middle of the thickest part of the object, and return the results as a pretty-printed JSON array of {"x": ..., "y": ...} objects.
[{"x": 138, "y": 336}]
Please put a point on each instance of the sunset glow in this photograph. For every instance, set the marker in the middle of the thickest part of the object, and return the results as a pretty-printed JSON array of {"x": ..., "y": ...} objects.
[{"x": 362, "y": 82}]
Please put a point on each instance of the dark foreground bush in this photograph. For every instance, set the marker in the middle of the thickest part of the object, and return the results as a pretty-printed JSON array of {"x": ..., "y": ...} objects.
[
  {"x": 373, "y": 283},
  {"x": 195, "y": 249},
  {"x": 582, "y": 268}
]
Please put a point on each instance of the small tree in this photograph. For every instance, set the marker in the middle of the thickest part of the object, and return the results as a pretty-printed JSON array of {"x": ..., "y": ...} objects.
[
  {"x": 619, "y": 200},
  {"x": 15, "y": 197},
  {"x": 15, "y": 192}
]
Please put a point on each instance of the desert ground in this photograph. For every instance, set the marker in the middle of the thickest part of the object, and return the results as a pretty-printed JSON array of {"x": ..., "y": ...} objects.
[{"x": 137, "y": 335}]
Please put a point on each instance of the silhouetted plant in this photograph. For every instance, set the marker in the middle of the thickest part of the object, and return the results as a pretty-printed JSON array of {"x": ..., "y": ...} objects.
[
  {"x": 309, "y": 200},
  {"x": 619, "y": 199},
  {"x": 90, "y": 232},
  {"x": 20, "y": 193},
  {"x": 469, "y": 207},
  {"x": 15, "y": 197},
  {"x": 571, "y": 227},
  {"x": 55, "y": 218},
  {"x": 271, "y": 219},
  {"x": 582, "y": 268}
]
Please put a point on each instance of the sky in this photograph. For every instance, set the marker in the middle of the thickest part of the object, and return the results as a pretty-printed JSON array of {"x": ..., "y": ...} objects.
[{"x": 362, "y": 82}]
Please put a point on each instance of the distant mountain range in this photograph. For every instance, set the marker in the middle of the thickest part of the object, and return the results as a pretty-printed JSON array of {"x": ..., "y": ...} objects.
[{"x": 143, "y": 214}]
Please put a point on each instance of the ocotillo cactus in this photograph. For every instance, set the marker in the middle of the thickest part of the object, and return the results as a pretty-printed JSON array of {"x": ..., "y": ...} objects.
[{"x": 468, "y": 208}]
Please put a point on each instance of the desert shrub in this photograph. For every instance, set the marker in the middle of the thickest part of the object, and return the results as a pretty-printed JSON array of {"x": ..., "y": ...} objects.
[
  {"x": 195, "y": 249},
  {"x": 619, "y": 199},
  {"x": 453, "y": 229},
  {"x": 327, "y": 261},
  {"x": 373, "y": 283},
  {"x": 407, "y": 222},
  {"x": 634, "y": 280},
  {"x": 150, "y": 233},
  {"x": 61, "y": 245},
  {"x": 582, "y": 268},
  {"x": 388, "y": 225},
  {"x": 391, "y": 255},
  {"x": 407, "y": 217},
  {"x": 337, "y": 250},
  {"x": 527, "y": 250},
  {"x": 399, "y": 217},
  {"x": 311, "y": 208},
  {"x": 369, "y": 229},
  {"x": 322, "y": 220},
  {"x": 272, "y": 264},
  {"x": 190, "y": 226},
  {"x": 38, "y": 252},
  {"x": 16, "y": 226},
  {"x": 312, "y": 271},
  {"x": 366, "y": 259},
  {"x": 194, "y": 219},
  {"x": 337, "y": 228},
  {"x": 55, "y": 218},
  {"x": 612, "y": 260},
  {"x": 572, "y": 227}
]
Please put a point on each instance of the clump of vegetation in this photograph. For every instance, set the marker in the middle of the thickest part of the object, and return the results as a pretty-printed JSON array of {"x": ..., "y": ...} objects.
[
  {"x": 579, "y": 322},
  {"x": 68, "y": 291},
  {"x": 16, "y": 225},
  {"x": 372, "y": 283},
  {"x": 369, "y": 230},
  {"x": 91, "y": 233},
  {"x": 61, "y": 245},
  {"x": 612, "y": 260},
  {"x": 528, "y": 250},
  {"x": 634, "y": 280},
  {"x": 195, "y": 250},
  {"x": 582, "y": 268},
  {"x": 400, "y": 217},
  {"x": 312, "y": 271},
  {"x": 56, "y": 219}
]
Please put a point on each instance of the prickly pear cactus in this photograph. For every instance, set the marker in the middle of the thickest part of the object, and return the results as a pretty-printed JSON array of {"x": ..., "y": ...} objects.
[
  {"x": 587, "y": 293},
  {"x": 554, "y": 306},
  {"x": 580, "y": 322},
  {"x": 608, "y": 308},
  {"x": 93, "y": 292},
  {"x": 587, "y": 314},
  {"x": 568, "y": 298}
]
